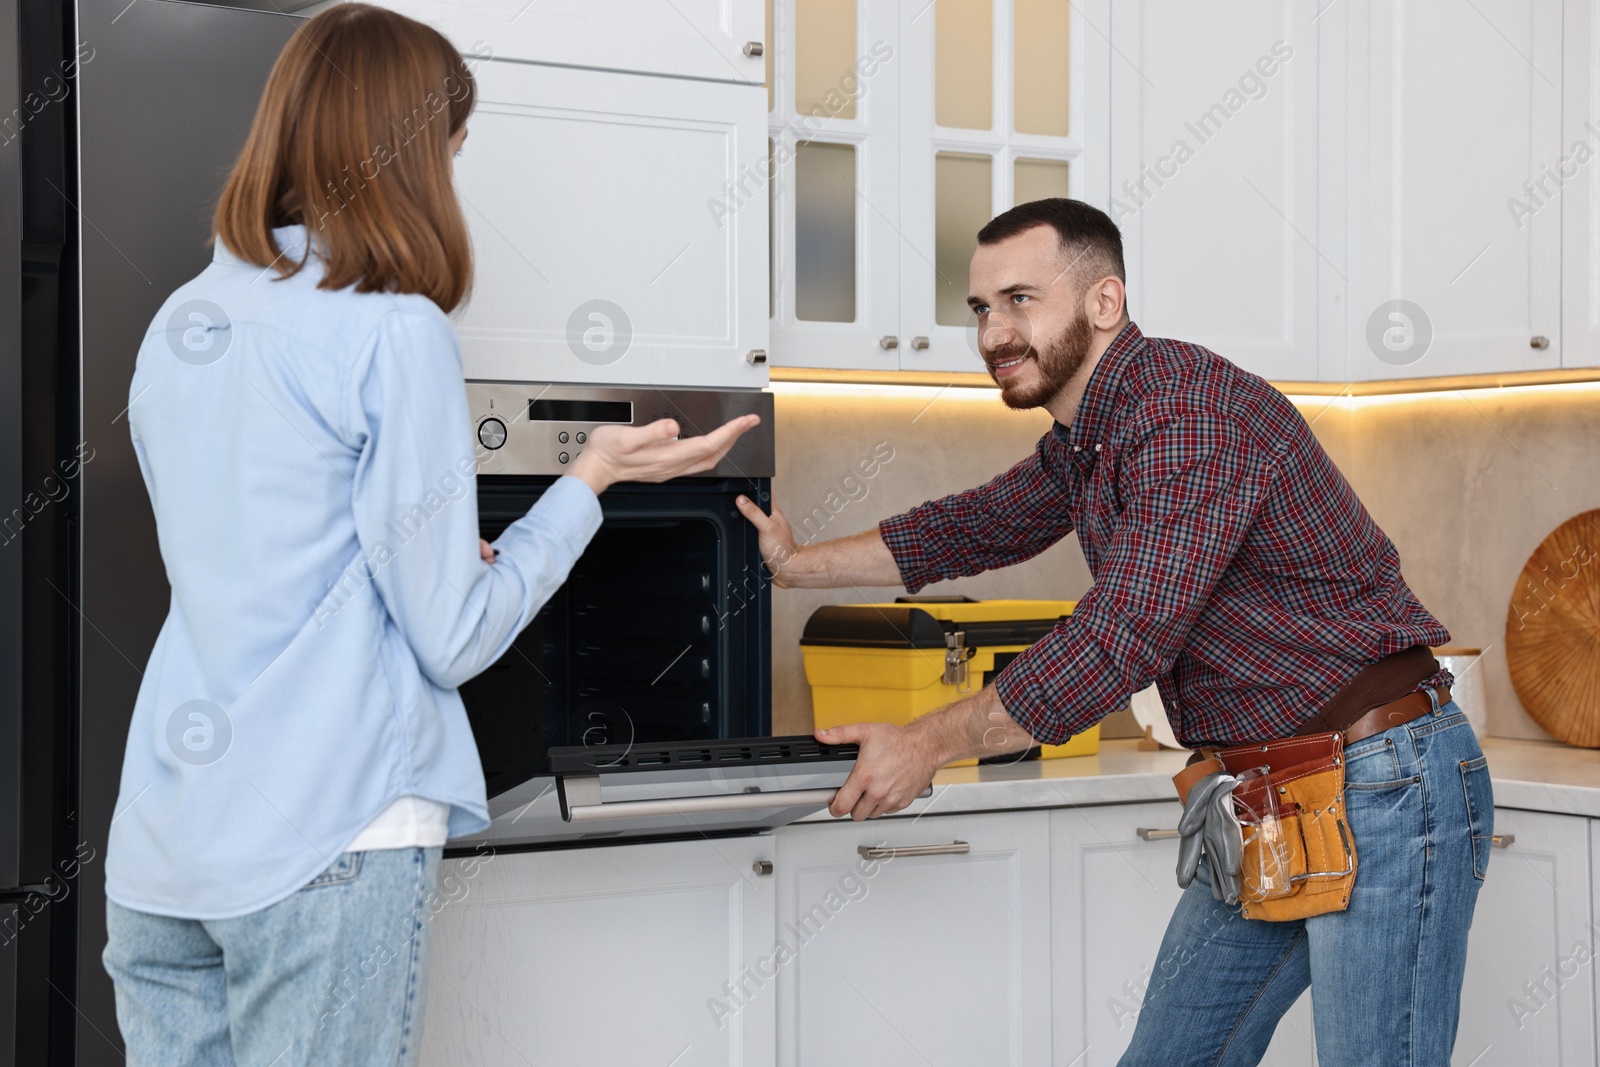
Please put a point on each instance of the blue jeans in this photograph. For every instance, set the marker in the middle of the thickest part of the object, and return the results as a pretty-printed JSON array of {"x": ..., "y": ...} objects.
[
  {"x": 1385, "y": 974},
  {"x": 331, "y": 975}
]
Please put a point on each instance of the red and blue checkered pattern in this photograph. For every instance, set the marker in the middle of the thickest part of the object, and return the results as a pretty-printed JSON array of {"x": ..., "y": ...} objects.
[{"x": 1233, "y": 565}]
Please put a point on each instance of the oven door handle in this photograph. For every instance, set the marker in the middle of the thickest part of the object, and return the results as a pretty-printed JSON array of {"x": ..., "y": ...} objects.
[{"x": 580, "y": 802}]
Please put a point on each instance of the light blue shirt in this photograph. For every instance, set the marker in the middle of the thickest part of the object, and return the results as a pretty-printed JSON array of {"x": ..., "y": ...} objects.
[{"x": 310, "y": 460}]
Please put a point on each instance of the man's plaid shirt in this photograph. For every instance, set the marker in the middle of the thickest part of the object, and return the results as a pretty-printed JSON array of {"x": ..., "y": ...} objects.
[{"x": 1233, "y": 564}]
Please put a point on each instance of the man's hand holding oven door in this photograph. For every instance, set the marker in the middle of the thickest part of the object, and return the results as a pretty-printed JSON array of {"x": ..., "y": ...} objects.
[{"x": 897, "y": 763}]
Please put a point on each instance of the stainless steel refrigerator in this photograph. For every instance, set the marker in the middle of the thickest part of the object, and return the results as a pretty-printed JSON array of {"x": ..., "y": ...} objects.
[{"x": 118, "y": 123}]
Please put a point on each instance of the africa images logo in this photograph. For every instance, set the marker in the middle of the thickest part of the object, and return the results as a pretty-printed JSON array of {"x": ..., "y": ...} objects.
[
  {"x": 599, "y": 332},
  {"x": 199, "y": 332},
  {"x": 199, "y": 732},
  {"x": 1399, "y": 332}
]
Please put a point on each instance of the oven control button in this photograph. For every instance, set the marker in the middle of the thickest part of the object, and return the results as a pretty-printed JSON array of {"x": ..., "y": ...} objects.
[
  {"x": 491, "y": 433},
  {"x": 563, "y": 457},
  {"x": 582, "y": 437},
  {"x": 562, "y": 437}
]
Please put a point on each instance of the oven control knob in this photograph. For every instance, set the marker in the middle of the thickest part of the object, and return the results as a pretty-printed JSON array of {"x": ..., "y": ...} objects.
[
  {"x": 583, "y": 438},
  {"x": 563, "y": 457},
  {"x": 491, "y": 433},
  {"x": 562, "y": 437}
]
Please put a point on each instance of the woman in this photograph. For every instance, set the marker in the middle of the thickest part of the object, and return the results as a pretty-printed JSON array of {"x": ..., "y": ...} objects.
[{"x": 298, "y": 752}]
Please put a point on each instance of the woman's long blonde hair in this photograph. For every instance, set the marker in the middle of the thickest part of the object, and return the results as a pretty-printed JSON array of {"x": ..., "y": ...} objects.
[{"x": 351, "y": 139}]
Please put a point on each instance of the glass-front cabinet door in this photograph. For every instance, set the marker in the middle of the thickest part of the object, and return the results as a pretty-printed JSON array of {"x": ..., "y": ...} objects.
[
  {"x": 960, "y": 109},
  {"x": 833, "y": 96},
  {"x": 993, "y": 114}
]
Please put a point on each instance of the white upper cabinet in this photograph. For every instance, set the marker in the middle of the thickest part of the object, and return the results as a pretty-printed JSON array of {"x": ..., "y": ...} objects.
[
  {"x": 720, "y": 40},
  {"x": 998, "y": 107},
  {"x": 899, "y": 130},
  {"x": 1576, "y": 174},
  {"x": 618, "y": 226},
  {"x": 1214, "y": 176},
  {"x": 834, "y": 130},
  {"x": 1453, "y": 118}
]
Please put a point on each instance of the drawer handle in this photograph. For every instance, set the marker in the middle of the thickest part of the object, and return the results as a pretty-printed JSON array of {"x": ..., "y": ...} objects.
[
  {"x": 886, "y": 852},
  {"x": 1503, "y": 840},
  {"x": 1147, "y": 834}
]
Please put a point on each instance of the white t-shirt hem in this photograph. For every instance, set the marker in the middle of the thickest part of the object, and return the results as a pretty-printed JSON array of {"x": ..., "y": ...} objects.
[{"x": 410, "y": 822}]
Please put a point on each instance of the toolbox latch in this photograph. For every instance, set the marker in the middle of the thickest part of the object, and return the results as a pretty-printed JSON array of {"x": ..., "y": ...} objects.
[{"x": 956, "y": 654}]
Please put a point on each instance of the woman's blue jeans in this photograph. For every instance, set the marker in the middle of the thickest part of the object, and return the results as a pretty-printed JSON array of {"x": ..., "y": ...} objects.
[
  {"x": 1385, "y": 974},
  {"x": 331, "y": 975}
]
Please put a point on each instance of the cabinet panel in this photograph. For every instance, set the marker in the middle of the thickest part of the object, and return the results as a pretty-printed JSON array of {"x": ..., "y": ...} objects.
[
  {"x": 891, "y": 127},
  {"x": 1452, "y": 109},
  {"x": 1528, "y": 997},
  {"x": 1577, "y": 177},
  {"x": 1112, "y": 896},
  {"x": 619, "y": 226},
  {"x": 915, "y": 960},
  {"x": 938, "y": 225},
  {"x": 844, "y": 112},
  {"x": 689, "y": 38},
  {"x": 623, "y": 954},
  {"x": 1214, "y": 176}
]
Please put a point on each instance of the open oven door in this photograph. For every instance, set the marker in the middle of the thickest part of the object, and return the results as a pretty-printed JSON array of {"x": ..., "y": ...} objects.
[{"x": 607, "y": 793}]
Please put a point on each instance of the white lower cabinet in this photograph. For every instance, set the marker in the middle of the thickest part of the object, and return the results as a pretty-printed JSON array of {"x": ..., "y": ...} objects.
[
  {"x": 1112, "y": 894},
  {"x": 633, "y": 954},
  {"x": 939, "y": 959},
  {"x": 1019, "y": 938},
  {"x": 1529, "y": 995}
]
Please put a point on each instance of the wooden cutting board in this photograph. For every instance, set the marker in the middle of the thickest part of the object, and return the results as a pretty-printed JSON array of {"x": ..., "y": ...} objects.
[{"x": 1553, "y": 632}]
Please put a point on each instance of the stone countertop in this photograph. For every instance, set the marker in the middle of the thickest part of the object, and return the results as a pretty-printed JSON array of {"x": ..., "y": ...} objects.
[{"x": 1532, "y": 775}]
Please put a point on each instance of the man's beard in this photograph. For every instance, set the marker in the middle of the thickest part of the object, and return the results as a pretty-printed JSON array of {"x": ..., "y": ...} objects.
[{"x": 1056, "y": 360}]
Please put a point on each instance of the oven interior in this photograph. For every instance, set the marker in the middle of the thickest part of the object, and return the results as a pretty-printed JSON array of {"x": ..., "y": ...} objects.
[{"x": 659, "y": 634}]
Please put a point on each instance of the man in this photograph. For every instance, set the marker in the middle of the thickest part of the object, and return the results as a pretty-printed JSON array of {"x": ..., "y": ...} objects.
[{"x": 1235, "y": 568}]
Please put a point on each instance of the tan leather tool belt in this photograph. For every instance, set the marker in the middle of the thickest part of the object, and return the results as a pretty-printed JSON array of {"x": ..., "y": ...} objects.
[{"x": 1299, "y": 856}]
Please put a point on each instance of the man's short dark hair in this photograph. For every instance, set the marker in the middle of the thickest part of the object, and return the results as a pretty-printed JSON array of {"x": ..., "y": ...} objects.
[{"x": 1088, "y": 236}]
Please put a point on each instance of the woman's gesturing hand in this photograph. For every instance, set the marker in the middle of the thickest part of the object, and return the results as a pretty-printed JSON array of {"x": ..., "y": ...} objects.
[{"x": 653, "y": 453}]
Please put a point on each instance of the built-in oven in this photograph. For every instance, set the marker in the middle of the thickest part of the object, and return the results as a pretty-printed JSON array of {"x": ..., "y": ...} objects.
[{"x": 655, "y": 653}]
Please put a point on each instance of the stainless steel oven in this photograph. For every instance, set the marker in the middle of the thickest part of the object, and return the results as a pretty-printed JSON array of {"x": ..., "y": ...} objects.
[{"x": 655, "y": 650}]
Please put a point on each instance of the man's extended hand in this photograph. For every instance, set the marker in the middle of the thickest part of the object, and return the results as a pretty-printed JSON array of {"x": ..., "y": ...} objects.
[
  {"x": 895, "y": 766},
  {"x": 776, "y": 539}
]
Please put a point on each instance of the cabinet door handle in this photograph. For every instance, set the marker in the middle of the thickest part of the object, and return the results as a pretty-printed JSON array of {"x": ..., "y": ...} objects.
[
  {"x": 1503, "y": 840},
  {"x": 888, "y": 341},
  {"x": 1539, "y": 341},
  {"x": 1147, "y": 834},
  {"x": 754, "y": 49},
  {"x": 886, "y": 852},
  {"x": 919, "y": 343}
]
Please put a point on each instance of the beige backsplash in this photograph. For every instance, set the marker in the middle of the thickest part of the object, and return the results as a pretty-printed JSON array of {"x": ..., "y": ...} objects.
[{"x": 1466, "y": 484}]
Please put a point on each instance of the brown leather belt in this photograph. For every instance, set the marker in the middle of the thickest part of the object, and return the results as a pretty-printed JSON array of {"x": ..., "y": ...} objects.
[
  {"x": 1395, "y": 713},
  {"x": 1384, "y": 717}
]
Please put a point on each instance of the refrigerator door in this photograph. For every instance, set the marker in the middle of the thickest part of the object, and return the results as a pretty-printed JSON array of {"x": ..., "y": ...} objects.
[{"x": 163, "y": 108}]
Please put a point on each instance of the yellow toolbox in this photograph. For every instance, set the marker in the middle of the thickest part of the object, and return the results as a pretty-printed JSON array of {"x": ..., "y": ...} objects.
[{"x": 894, "y": 662}]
